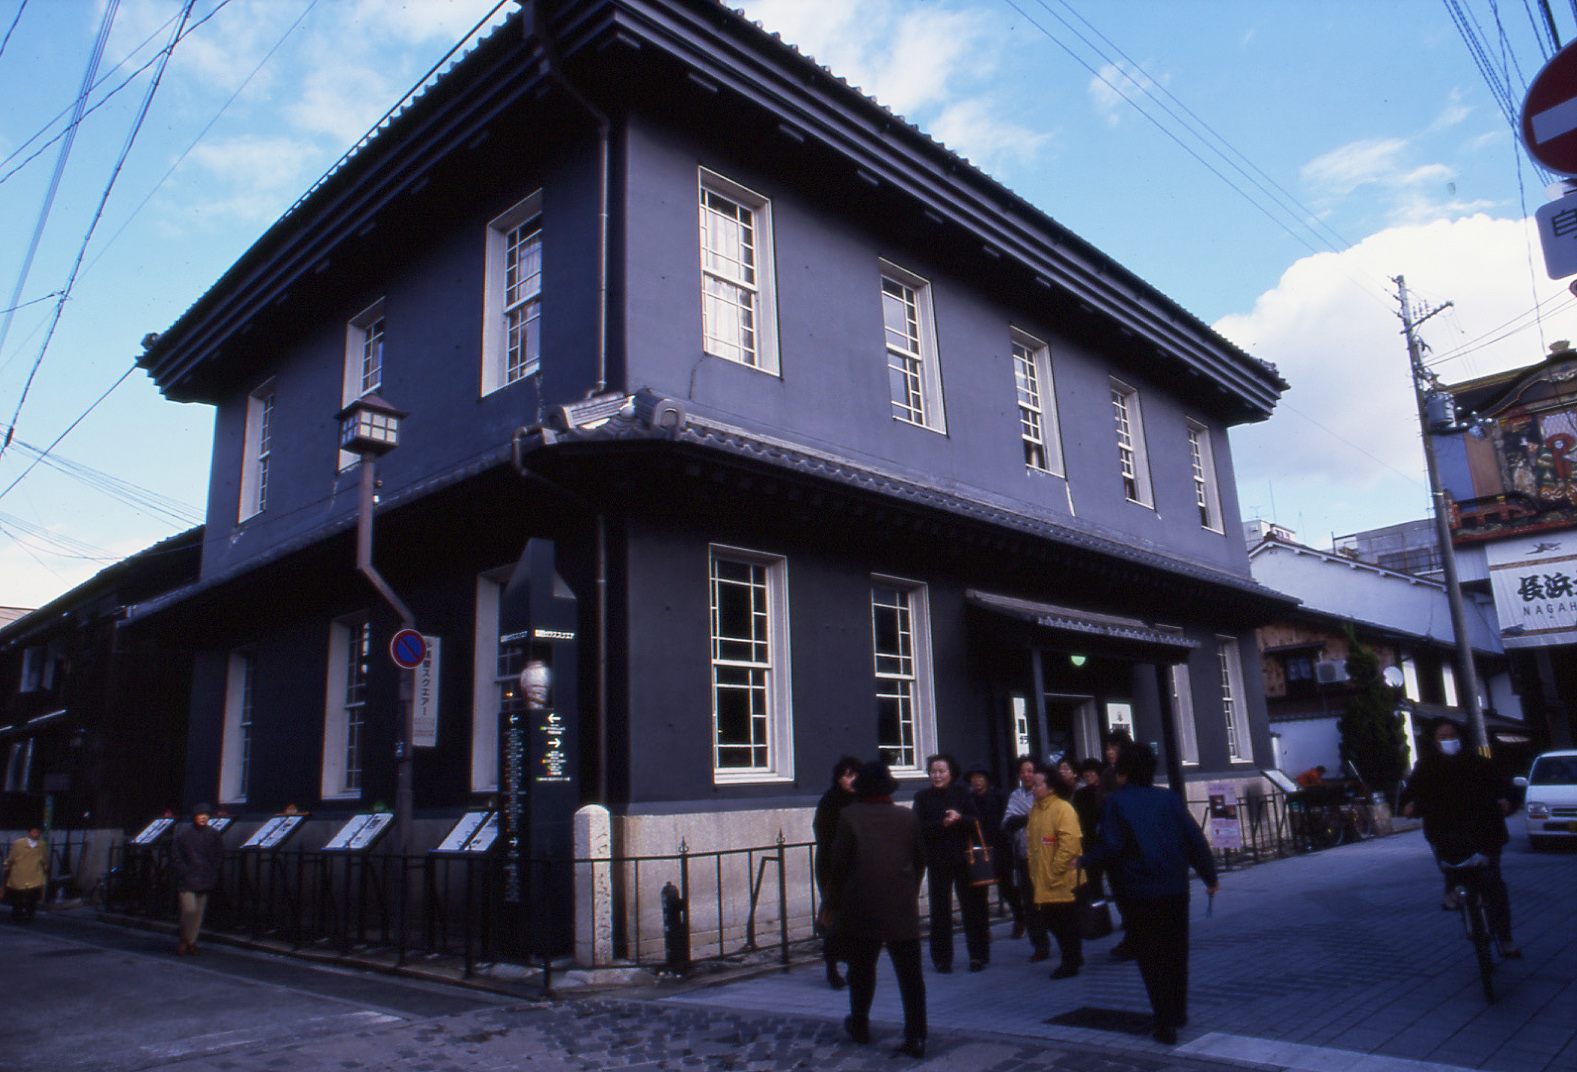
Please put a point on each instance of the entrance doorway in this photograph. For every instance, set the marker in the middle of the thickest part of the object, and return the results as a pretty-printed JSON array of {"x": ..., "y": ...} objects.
[{"x": 1071, "y": 728}]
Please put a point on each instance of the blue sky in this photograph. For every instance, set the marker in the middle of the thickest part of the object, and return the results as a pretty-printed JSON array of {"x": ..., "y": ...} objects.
[{"x": 1364, "y": 135}]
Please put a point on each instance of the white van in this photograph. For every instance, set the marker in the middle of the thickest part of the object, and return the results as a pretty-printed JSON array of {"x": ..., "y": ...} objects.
[{"x": 1552, "y": 799}]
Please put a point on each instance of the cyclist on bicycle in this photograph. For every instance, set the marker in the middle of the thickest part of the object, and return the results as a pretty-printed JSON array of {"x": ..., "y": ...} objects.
[{"x": 1464, "y": 804}]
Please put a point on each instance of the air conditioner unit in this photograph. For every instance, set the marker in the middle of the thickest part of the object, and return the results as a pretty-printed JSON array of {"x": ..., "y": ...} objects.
[{"x": 1330, "y": 671}]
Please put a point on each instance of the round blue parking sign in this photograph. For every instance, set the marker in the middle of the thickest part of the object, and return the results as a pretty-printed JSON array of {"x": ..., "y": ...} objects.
[{"x": 408, "y": 648}]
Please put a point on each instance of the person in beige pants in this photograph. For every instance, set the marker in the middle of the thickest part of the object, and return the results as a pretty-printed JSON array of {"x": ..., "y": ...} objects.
[{"x": 198, "y": 858}]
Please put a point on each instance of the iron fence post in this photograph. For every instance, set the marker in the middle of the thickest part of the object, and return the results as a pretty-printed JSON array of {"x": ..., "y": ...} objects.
[{"x": 783, "y": 927}]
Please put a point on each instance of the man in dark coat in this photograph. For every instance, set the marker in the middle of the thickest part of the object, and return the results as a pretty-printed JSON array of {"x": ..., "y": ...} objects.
[
  {"x": 1464, "y": 804},
  {"x": 874, "y": 889},
  {"x": 198, "y": 858},
  {"x": 1147, "y": 842},
  {"x": 825, "y": 825},
  {"x": 948, "y": 821}
]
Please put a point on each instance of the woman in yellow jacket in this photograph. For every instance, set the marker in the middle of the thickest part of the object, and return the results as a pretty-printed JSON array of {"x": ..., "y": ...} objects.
[
  {"x": 1054, "y": 843},
  {"x": 24, "y": 874}
]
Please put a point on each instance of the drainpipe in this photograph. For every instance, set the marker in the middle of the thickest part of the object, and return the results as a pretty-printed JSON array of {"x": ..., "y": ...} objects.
[{"x": 534, "y": 26}]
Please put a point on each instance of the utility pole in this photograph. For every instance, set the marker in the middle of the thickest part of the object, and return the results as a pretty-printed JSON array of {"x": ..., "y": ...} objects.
[{"x": 1423, "y": 382}]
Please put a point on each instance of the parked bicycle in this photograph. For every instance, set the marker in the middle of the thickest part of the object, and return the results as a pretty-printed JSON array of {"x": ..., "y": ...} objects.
[{"x": 1467, "y": 878}]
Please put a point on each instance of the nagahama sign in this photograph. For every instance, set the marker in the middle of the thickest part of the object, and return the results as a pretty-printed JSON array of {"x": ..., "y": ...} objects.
[{"x": 1534, "y": 579}]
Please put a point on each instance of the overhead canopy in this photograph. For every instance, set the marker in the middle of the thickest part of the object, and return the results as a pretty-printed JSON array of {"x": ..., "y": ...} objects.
[{"x": 1085, "y": 624}]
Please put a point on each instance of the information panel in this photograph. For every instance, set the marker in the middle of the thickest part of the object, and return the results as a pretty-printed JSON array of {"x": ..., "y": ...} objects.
[
  {"x": 220, "y": 823},
  {"x": 468, "y": 824},
  {"x": 272, "y": 834},
  {"x": 153, "y": 832},
  {"x": 360, "y": 832},
  {"x": 486, "y": 837}
]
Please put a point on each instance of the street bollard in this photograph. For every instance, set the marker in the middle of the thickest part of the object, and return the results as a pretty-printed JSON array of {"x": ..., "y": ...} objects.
[{"x": 676, "y": 930}]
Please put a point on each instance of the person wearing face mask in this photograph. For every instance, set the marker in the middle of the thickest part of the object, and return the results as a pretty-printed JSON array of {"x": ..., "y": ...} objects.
[
  {"x": 948, "y": 820},
  {"x": 1464, "y": 804}
]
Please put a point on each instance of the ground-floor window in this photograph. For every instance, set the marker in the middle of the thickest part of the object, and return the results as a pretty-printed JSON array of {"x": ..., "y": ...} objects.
[{"x": 751, "y": 717}]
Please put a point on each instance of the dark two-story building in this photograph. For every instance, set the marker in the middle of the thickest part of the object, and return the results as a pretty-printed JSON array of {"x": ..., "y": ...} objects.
[{"x": 822, "y": 441}]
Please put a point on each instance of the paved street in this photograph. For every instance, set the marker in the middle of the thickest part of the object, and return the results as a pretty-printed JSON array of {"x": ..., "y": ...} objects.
[
  {"x": 1338, "y": 961},
  {"x": 1314, "y": 962}
]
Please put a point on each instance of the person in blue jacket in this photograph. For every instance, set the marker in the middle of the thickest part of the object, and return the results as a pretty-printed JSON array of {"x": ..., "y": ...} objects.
[{"x": 1147, "y": 842}]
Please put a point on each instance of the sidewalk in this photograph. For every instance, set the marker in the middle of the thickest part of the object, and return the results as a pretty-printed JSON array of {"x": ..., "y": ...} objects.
[{"x": 1339, "y": 960}]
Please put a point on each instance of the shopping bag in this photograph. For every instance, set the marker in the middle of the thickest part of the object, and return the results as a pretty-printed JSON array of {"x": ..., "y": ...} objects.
[
  {"x": 982, "y": 868},
  {"x": 1095, "y": 915}
]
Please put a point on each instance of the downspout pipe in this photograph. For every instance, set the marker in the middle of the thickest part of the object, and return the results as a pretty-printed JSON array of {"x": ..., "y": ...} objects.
[{"x": 534, "y": 27}]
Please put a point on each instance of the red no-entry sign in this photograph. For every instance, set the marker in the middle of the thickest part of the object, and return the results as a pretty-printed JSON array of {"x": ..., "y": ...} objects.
[{"x": 1549, "y": 115}]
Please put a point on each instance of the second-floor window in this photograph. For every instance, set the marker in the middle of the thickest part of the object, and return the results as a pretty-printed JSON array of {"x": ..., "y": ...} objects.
[
  {"x": 914, "y": 377},
  {"x": 363, "y": 362},
  {"x": 751, "y": 728},
  {"x": 1037, "y": 404},
  {"x": 512, "y": 300},
  {"x": 1131, "y": 454},
  {"x": 738, "y": 306},
  {"x": 1206, "y": 495},
  {"x": 258, "y": 452}
]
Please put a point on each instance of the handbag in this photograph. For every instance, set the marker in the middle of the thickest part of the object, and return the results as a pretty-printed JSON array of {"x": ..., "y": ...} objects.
[
  {"x": 982, "y": 869},
  {"x": 1095, "y": 917}
]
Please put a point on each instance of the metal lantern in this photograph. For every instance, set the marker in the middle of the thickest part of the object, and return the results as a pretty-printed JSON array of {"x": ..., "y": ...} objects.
[{"x": 370, "y": 425}]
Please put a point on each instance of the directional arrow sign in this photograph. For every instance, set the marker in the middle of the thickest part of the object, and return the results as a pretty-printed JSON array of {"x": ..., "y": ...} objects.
[{"x": 1549, "y": 114}]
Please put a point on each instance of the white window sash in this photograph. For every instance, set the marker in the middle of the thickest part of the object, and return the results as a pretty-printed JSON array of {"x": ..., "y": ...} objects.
[
  {"x": 236, "y": 746},
  {"x": 484, "y": 686},
  {"x": 1207, "y": 494},
  {"x": 738, "y": 277},
  {"x": 336, "y": 737},
  {"x": 911, "y": 348},
  {"x": 904, "y": 675},
  {"x": 1039, "y": 429},
  {"x": 1234, "y": 702},
  {"x": 764, "y": 673},
  {"x": 1132, "y": 455},
  {"x": 511, "y": 298},
  {"x": 1183, "y": 712},
  {"x": 257, "y": 449}
]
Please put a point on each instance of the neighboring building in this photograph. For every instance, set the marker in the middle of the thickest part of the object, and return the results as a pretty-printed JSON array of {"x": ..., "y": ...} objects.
[
  {"x": 1410, "y": 547},
  {"x": 839, "y": 448},
  {"x": 1512, "y": 481},
  {"x": 93, "y": 727},
  {"x": 11, "y": 614},
  {"x": 1403, "y": 618}
]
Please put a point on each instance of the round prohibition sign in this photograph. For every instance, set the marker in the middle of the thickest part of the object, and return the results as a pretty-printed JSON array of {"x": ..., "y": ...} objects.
[{"x": 408, "y": 648}]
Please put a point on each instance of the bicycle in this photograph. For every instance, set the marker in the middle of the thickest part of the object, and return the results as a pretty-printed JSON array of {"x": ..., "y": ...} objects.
[{"x": 1467, "y": 878}]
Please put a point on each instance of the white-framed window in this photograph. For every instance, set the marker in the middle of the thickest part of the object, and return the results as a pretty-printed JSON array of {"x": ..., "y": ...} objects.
[
  {"x": 345, "y": 706},
  {"x": 19, "y": 766},
  {"x": 738, "y": 293},
  {"x": 512, "y": 296},
  {"x": 914, "y": 374},
  {"x": 1037, "y": 404},
  {"x": 752, "y": 719},
  {"x": 1183, "y": 713},
  {"x": 235, "y": 762},
  {"x": 901, "y": 645},
  {"x": 363, "y": 362},
  {"x": 1234, "y": 701},
  {"x": 486, "y": 692},
  {"x": 1207, "y": 495},
  {"x": 1132, "y": 457},
  {"x": 258, "y": 447}
]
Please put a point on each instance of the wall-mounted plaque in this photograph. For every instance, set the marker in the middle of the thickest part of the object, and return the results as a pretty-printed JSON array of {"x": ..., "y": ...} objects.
[
  {"x": 153, "y": 832},
  {"x": 485, "y": 837},
  {"x": 468, "y": 824}
]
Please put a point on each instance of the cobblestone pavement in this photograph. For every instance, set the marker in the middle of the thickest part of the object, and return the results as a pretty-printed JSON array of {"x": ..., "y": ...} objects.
[
  {"x": 100, "y": 999},
  {"x": 1339, "y": 960}
]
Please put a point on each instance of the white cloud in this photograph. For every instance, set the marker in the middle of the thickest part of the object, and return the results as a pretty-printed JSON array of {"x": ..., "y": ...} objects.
[
  {"x": 341, "y": 101},
  {"x": 1344, "y": 169},
  {"x": 257, "y": 177},
  {"x": 1114, "y": 86},
  {"x": 1454, "y": 113},
  {"x": 1331, "y": 326},
  {"x": 975, "y": 130}
]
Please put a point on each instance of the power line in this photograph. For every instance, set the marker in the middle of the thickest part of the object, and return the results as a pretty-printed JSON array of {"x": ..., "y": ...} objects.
[
  {"x": 12, "y": 29},
  {"x": 142, "y": 499},
  {"x": 98, "y": 214},
  {"x": 105, "y": 99},
  {"x": 95, "y": 56},
  {"x": 124, "y": 376}
]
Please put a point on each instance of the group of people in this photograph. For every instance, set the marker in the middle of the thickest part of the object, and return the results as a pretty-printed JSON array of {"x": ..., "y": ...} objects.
[{"x": 1056, "y": 838}]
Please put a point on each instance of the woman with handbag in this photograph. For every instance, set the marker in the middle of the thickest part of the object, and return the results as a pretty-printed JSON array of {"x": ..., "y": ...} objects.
[
  {"x": 1054, "y": 841},
  {"x": 825, "y": 826},
  {"x": 948, "y": 825}
]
